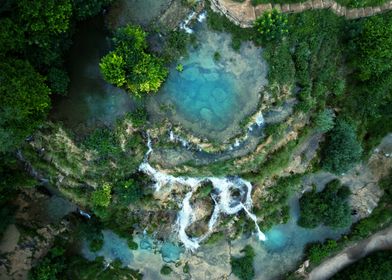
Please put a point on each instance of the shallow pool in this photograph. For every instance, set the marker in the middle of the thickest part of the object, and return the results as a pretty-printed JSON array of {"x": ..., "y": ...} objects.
[{"x": 217, "y": 88}]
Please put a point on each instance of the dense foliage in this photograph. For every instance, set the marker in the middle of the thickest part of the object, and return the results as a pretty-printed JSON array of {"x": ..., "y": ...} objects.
[
  {"x": 272, "y": 25},
  {"x": 129, "y": 66},
  {"x": 342, "y": 149},
  {"x": 242, "y": 267},
  {"x": 33, "y": 38},
  {"x": 328, "y": 207},
  {"x": 379, "y": 218},
  {"x": 58, "y": 265},
  {"x": 374, "y": 267},
  {"x": 24, "y": 98}
]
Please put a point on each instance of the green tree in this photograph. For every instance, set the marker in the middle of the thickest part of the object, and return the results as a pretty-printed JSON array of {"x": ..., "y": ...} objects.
[
  {"x": 24, "y": 102},
  {"x": 58, "y": 80},
  {"x": 129, "y": 192},
  {"x": 324, "y": 121},
  {"x": 44, "y": 19},
  {"x": 374, "y": 267},
  {"x": 11, "y": 36},
  {"x": 242, "y": 267},
  {"x": 342, "y": 149},
  {"x": 102, "y": 197},
  {"x": 272, "y": 25},
  {"x": 166, "y": 270},
  {"x": 84, "y": 9},
  {"x": 113, "y": 69},
  {"x": 373, "y": 45},
  {"x": 329, "y": 207},
  {"x": 129, "y": 66}
]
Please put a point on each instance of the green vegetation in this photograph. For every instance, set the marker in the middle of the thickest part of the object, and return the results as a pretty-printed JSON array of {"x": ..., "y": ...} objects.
[
  {"x": 328, "y": 207},
  {"x": 377, "y": 266},
  {"x": 273, "y": 206},
  {"x": 101, "y": 197},
  {"x": 34, "y": 37},
  {"x": 166, "y": 270},
  {"x": 204, "y": 190},
  {"x": 180, "y": 67},
  {"x": 342, "y": 149},
  {"x": 242, "y": 267},
  {"x": 220, "y": 23},
  {"x": 129, "y": 66},
  {"x": 325, "y": 120},
  {"x": 58, "y": 265},
  {"x": 25, "y": 100},
  {"x": 272, "y": 25},
  {"x": 217, "y": 56},
  {"x": 175, "y": 45},
  {"x": 129, "y": 191},
  {"x": 346, "y": 3},
  {"x": 379, "y": 219}
]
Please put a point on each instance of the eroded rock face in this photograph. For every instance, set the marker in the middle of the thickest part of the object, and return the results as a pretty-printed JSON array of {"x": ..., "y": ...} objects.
[
  {"x": 20, "y": 251},
  {"x": 363, "y": 180}
]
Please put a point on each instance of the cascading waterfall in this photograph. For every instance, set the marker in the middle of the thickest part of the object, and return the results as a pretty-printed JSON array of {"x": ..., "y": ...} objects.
[{"x": 221, "y": 194}]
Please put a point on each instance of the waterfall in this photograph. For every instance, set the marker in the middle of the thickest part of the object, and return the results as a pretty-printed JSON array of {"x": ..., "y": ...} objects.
[
  {"x": 185, "y": 23},
  {"x": 221, "y": 195}
]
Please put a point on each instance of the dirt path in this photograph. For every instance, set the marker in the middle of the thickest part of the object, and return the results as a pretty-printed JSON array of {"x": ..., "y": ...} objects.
[
  {"x": 244, "y": 14},
  {"x": 378, "y": 241}
]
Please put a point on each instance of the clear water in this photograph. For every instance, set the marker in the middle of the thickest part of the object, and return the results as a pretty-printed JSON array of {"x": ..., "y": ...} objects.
[
  {"x": 171, "y": 252},
  {"x": 210, "y": 97},
  {"x": 90, "y": 100},
  {"x": 114, "y": 247},
  {"x": 285, "y": 245}
]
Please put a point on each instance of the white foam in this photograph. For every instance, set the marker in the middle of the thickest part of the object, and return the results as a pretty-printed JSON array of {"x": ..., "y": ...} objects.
[{"x": 222, "y": 196}]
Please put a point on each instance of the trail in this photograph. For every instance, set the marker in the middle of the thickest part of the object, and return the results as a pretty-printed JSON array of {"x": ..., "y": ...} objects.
[
  {"x": 244, "y": 14},
  {"x": 381, "y": 240}
]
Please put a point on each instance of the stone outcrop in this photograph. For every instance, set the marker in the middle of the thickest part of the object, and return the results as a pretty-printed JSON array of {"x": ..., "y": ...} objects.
[{"x": 244, "y": 14}]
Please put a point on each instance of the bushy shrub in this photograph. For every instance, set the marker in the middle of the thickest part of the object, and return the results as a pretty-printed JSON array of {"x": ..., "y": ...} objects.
[
  {"x": 129, "y": 66},
  {"x": 102, "y": 196},
  {"x": 329, "y": 207},
  {"x": 272, "y": 25},
  {"x": 166, "y": 270},
  {"x": 325, "y": 120},
  {"x": 374, "y": 267},
  {"x": 242, "y": 267},
  {"x": 342, "y": 149}
]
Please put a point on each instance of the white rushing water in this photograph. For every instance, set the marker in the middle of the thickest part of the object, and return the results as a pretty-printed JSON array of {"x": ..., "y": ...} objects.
[{"x": 222, "y": 195}]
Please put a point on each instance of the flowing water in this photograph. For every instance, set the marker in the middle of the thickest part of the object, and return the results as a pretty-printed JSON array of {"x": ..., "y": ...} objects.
[
  {"x": 225, "y": 203},
  {"x": 217, "y": 88},
  {"x": 209, "y": 98}
]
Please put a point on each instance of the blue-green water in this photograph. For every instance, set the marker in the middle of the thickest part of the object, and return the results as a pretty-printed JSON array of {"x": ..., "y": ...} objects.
[
  {"x": 211, "y": 96},
  {"x": 90, "y": 100},
  {"x": 285, "y": 245}
]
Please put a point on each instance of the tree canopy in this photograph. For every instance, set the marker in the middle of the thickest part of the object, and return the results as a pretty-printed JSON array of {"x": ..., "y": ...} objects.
[
  {"x": 129, "y": 66},
  {"x": 342, "y": 149},
  {"x": 242, "y": 267},
  {"x": 24, "y": 99},
  {"x": 329, "y": 207}
]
